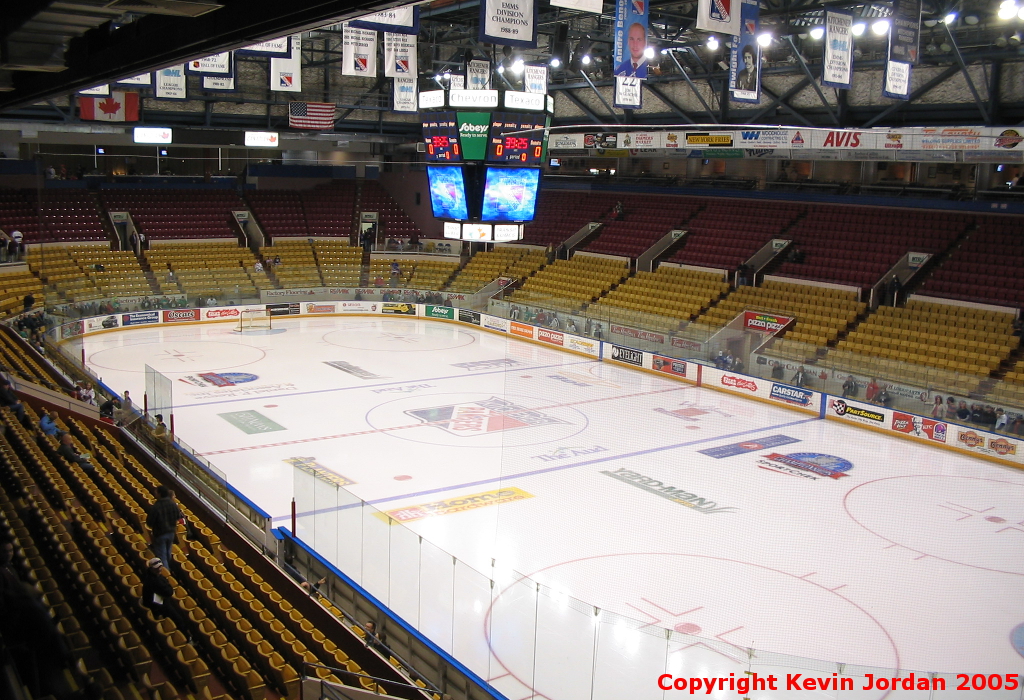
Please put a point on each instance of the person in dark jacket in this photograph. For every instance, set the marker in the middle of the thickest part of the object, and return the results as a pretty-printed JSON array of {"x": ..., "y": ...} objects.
[{"x": 162, "y": 521}]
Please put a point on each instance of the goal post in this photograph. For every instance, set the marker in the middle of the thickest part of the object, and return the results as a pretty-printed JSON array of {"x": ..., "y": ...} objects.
[{"x": 254, "y": 319}]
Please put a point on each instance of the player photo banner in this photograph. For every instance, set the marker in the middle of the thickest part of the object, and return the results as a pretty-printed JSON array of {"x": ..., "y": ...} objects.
[
  {"x": 286, "y": 73},
  {"x": 896, "y": 81},
  {"x": 535, "y": 79},
  {"x": 399, "y": 55},
  {"x": 745, "y": 58},
  {"x": 359, "y": 53},
  {"x": 405, "y": 95},
  {"x": 631, "y": 38},
  {"x": 905, "y": 31},
  {"x": 628, "y": 94},
  {"x": 837, "y": 68},
  {"x": 721, "y": 16},
  {"x": 218, "y": 64},
  {"x": 510, "y": 22},
  {"x": 397, "y": 20},
  {"x": 479, "y": 74},
  {"x": 171, "y": 83}
]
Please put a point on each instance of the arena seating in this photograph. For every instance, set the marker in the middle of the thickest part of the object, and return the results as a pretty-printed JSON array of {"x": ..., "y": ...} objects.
[
  {"x": 340, "y": 264},
  {"x": 279, "y": 212},
  {"x": 561, "y": 214},
  {"x": 72, "y": 272},
  {"x": 298, "y": 266},
  {"x": 645, "y": 219},
  {"x": 415, "y": 273},
  {"x": 821, "y": 313},
  {"x": 13, "y": 288},
  {"x": 26, "y": 364},
  {"x": 204, "y": 269},
  {"x": 19, "y": 213},
  {"x": 330, "y": 209},
  {"x": 394, "y": 222},
  {"x": 937, "y": 344},
  {"x": 168, "y": 214},
  {"x": 660, "y": 300},
  {"x": 568, "y": 285},
  {"x": 727, "y": 233},
  {"x": 858, "y": 245},
  {"x": 72, "y": 215},
  {"x": 988, "y": 268},
  {"x": 503, "y": 261}
]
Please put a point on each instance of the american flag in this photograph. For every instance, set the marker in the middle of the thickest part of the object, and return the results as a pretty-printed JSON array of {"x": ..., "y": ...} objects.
[{"x": 312, "y": 116}]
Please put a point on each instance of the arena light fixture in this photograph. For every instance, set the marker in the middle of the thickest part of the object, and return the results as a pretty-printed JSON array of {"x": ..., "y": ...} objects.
[
  {"x": 1020, "y": 13},
  {"x": 555, "y": 62},
  {"x": 817, "y": 33},
  {"x": 1007, "y": 10},
  {"x": 713, "y": 42},
  {"x": 971, "y": 19},
  {"x": 880, "y": 27},
  {"x": 586, "y": 59},
  {"x": 858, "y": 28},
  {"x": 1014, "y": 39},
  {"x": 764, "y": 40},
  {"x": 649, "y": 53},
  {"x": 950, "y": 18},
  {"x": 517, "y": 66}
]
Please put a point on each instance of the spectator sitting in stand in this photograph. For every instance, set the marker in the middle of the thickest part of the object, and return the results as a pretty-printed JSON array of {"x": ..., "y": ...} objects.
[
  {"x": 376, "y": 640},
  {"x": 48, "y": 426},
  {"x": 313, "y": 589},
  {"x": 963, "y": 412},
  {"x": 883, "y": 398},
  {"x": 9, "y": 400},
  {"x": 977, "y": 414},
  {"x": 1001, "y": 420},
  {"x": 68, "y": 451},
  {"x": 950, "y": 408},
  {"x": 849, "y": 387},
  {"x": 871, "y": 392},
  {"x": 108, "y": 407},
  {"x": 800, "y": 377}
]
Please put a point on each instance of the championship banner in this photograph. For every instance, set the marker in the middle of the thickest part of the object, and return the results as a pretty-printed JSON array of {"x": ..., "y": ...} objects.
[
  {"x": 905, "y": 31},
  {"x": 98, "y": 91},
  {"x": 721, "y": 16},
  {"x": 404, "y": 99},
  {"x": 595, "y": 6},
  {"x": 630, "y": 39},
  {"x": 219, "y": 84},
  {"x": 628, "y": 94},
  {"x": 144, "y": 79},
  {"x": 745, "y": 58},
  {"x": 479, "y": 75},
  {"x": 837, "y": 65},
  {"x": 280, "y": 47},
  {"x": 896, "y": 80},
  {"x": 286, "y": 73},
  {"x": 399, "y": 55},
  {"x": 457, "y": 82},
  {"x": 171, "y": 83},
  {"x": 535, "y": 79},
  {"x": 218, "y": 64},
  {"x": 397, "y": 20},
  {"x": 359, "y": 53},
  {"x": 510, "y": 22}
]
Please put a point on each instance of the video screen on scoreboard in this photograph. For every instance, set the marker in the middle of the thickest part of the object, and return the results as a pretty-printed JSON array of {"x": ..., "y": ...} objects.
[
  {"x": 447, "y": 192},
  {"x": 516, "y": 138},
  {"x": 441, "y": 137},
  {"x": 510, "y": 194}
]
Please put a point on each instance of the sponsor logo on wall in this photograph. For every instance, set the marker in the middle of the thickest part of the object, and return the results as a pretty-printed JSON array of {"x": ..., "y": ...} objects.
[
  {"x": 457, "y": 505},
  {"x": 320, "y": 308},
  {"x": 357, "y": 307},
  {"x": 578, "y": 344},
  {"x": 552, "y": 337},
  {"x": 669, "y": 366},
  {"x": 355, "y": 371},
  {"x": 222, "y": 313},
  {"x": 628, "y": 355},
  {"x": 791, "y": 395},
  {"x": 403, "y": 309},
  {"x": 467, "y": 316},
  {"x": 863, "y": 415},
  {"x": 140, "y": 317},
  {"x": 676, "y": 495},
  {"x": 687, "y": 344},
  {"x": 739, "y": 383},
  {"x": 495, "y": 323},
  {"x": 446, "y": 312},
  {"x": 311, "y": 466},
  {"x": 473, "y": 418},
  {"x": 521, "y": 329},
  {"x": 175, "y": 315},
  {"x": 636, "y": 333},
  {"x": 919, "y": 426},
  {"x": 293, "y": 308}
]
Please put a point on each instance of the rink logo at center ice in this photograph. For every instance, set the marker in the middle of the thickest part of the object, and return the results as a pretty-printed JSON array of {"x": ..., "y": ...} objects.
[{"x": 472, "y": 418}]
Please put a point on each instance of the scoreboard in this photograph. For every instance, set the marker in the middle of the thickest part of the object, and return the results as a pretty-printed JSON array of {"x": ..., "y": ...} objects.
[
  {"x": 441, "y": 136},
  {"x": 508, "y": 144}
]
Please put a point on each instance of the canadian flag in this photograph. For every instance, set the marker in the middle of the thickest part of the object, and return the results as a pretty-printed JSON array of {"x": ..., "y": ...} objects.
[{"x": 118, "y": 107}]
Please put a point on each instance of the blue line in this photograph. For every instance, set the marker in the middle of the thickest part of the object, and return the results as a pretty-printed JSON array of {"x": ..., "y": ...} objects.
[
  {"x": 371, "y": 386},
  {"x": 560, "y": 467}
]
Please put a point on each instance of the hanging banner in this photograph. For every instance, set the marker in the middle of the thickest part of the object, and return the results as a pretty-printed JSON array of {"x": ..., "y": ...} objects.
[
  {"x": 171, "y": 83},
  {"x": 286, "y": 73},
  {"x": 905, "y": 31},
  {"x": 837, "y": 66},
  {"x": 896, "y": 80},
  {"x": 509, "y": 22},
  {"x": 144, "y": 79},
  {"x": 399, "y": 55},
  {"x": 218, "y": 84},
  {"x": 745, "y": 58},
  {"x": 404, "y": 99},
  {"x": 479, "y": 75},
  {"x": 595, "y": 6},
  {"x": 98, "y": 91},
  {"x": 630, "y": 38},
  {"x": 359, "y": 53},
  {"x": 397, "y": 20},
  {"x": 535, "y": 79},
  {"x": 458, "y": 82},
  {"x": 722, "y": 16},
  {"x": 218, "y": 64},
  {"x": 280, "y": 47},
  {"x": 628, "y": 94}
]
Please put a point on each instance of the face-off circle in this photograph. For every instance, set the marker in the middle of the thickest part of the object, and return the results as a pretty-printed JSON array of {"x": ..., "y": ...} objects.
[
  {"x": 178, "y": 356},
  {"x": 476, "y": 419},
  {"x": 760, "y": 608},
  {"x": 399, "y": 336},
  {"x": 961, "y": 519}
]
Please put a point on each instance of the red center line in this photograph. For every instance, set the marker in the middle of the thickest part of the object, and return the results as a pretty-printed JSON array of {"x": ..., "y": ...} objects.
[{"x": 431, "y": 423}]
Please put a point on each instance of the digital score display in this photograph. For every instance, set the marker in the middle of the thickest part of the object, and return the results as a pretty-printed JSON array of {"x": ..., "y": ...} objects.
[
  {"x": 505, "y": 145},
  {"x": 441, "y": 137}
]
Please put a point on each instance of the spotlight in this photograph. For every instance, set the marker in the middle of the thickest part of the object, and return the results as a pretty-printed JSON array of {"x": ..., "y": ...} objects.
[
  {"x": 555, "y": 62},
  {"x": 1020, "y": 13},
  {"x": 817, "y": 33},
  {"x": 517, "y": 66},
  {"x": 764, "y": 40},
  {"x": 1015, "y": 39},
  {"x": 859, "y": 28},
  {"x": 1007, "y": 10},
  {"x": 586, "y": 59},
  {"x": 949, "y": 18},
  {"x": 880, "y": 27},
  {"x": 501, "y": 68},
  {"x": 649, "y": 53},
  {"x": 713, "y": 43}
]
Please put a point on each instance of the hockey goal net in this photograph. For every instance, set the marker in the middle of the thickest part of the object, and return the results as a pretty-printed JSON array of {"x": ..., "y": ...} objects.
[{"x": 257, "y": 319}]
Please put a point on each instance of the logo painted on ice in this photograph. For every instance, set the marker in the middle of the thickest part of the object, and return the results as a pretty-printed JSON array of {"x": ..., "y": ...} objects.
[
  {"x": 814, "y": 462},
  {"x": 473, "y": 418}
]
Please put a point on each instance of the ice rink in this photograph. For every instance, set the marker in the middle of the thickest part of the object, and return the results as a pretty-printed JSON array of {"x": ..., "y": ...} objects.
[{"x": 644, "y": 496}]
